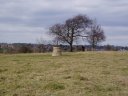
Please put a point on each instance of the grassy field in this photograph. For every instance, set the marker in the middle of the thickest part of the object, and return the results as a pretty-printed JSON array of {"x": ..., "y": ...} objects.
[{"x": 73, "y": 74}]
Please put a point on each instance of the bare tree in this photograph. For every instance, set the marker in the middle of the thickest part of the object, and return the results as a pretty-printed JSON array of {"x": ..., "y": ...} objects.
[
  {"x": 41, "y": 45},
  {"x": 73, "y": 29},
  {"x": 95, "y": 35}
]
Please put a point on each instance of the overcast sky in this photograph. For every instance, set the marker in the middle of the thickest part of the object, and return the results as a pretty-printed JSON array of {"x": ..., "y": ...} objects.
[{"x": 28, "y": 20}]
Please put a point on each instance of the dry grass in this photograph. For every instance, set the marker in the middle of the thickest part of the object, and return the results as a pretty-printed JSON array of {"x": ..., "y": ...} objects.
[{"x": 73, "y": 74}]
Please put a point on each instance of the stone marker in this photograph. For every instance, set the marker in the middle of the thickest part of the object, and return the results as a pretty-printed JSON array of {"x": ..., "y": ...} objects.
[{"x": 56, "y": 51}]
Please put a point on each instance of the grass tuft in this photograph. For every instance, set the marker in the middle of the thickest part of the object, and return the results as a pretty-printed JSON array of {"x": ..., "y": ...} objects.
[{"x": 54, "y": 86}]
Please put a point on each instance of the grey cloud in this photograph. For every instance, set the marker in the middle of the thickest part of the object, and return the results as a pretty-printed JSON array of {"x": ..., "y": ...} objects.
[
  {"x": 20, "y": 17},
  {"x": 18, "y": 33}
]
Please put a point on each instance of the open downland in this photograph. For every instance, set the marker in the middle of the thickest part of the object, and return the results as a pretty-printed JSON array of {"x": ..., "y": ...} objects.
[{"x": 73, "y": 74}]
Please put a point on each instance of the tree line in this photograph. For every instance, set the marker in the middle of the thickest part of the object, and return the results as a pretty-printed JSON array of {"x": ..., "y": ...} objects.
[{"x": 42, "y": 48}]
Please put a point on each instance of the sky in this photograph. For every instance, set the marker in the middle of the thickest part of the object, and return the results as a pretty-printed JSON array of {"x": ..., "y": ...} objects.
[{"x": 25, "y": 21}]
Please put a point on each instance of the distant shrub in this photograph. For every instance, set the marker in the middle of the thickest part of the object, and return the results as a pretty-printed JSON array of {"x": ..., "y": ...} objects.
[
  {"x": 25, "y": 49},
  {"x": 1, "y": 51}
]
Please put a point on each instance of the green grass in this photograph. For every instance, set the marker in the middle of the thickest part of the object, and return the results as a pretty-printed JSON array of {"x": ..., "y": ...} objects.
[{"x": 73, "y": 74}]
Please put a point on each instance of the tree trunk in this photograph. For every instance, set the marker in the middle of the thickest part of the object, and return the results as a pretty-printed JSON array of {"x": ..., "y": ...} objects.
[
  {"x": 71, "y": 47},
  {"x": 93, "y": 47},
  {"x": 93, "y": 44}
]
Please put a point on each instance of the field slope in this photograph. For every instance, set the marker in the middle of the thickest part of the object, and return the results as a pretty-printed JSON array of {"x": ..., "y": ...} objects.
[{"x": 73, "y": 74}]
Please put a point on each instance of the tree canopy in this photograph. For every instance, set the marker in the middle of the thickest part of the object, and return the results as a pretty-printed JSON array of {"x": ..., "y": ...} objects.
[{"x": 74, "y": 28}]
